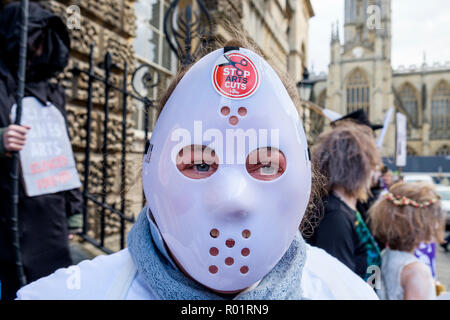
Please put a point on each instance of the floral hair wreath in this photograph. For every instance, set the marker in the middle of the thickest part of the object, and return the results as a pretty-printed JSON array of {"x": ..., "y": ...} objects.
[{"x": 398, "y": 200}]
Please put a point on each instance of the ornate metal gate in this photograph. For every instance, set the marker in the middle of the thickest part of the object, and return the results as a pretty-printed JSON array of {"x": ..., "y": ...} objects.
[{"x": 88, "y": 197}]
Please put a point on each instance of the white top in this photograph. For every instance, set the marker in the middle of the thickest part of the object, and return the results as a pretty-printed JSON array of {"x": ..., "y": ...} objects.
[
  {"x": 392, "y": 264},
  {"x": 115, "y": 277}
]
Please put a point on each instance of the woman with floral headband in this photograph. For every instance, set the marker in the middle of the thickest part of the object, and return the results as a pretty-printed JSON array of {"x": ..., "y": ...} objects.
[{"x": 408, "y": 215}]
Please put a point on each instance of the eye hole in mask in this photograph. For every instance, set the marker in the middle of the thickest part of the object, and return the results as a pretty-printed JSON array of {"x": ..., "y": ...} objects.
[
  {"x": 266, "y": 164},
  {"x": 197, "y": 162}
]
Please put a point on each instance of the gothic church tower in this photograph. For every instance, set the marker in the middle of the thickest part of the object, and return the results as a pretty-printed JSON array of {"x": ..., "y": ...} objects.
[{"x": 360, "y": 73}]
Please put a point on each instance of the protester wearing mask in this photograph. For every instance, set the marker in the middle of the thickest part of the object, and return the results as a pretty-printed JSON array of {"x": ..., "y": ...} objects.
[
  {"x": 222, "y": 217},
  {"x": 42, "y": 219},
  {"x": 347, "y": 156}
]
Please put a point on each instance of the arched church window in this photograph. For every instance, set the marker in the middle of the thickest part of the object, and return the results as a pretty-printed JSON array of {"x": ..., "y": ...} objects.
[
  {"x": 408, "y": 96},
  {"x": 358, "y": 92},
  {"x": 440, "y": 111},
  {"x": 443, "y": 151}
]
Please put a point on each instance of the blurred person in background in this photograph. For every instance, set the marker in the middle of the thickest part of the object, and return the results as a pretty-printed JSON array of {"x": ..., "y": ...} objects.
[
  {"x": 347, "y": 156},
  {"x": 387, "y": 179},
  {"x": 43, "y": 220},
  {"x": 408, "y": 215},
  {"x": 360, "y": 117}
]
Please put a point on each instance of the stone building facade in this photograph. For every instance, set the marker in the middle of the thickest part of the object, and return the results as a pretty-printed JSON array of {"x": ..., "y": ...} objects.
[
  {"x": 132, "y": 31},
  {"x": 361, "y": 76}
]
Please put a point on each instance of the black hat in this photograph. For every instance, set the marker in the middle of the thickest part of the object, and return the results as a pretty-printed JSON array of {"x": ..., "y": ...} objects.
[{"x": 360, "y": 117}]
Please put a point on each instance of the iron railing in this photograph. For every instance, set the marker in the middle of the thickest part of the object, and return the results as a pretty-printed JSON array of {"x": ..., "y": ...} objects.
[{"x": 101, "y": 201}]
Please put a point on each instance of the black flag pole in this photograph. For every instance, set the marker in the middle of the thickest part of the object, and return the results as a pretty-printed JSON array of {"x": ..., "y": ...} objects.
[{"x": 21, "y": 72}]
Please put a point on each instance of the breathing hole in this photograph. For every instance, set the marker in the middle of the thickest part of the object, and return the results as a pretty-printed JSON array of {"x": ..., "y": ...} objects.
[
  {"x": 230, "y": 243},
  {"x": 245, "y": 252},
  {"x": 213, "y": 269},
  {"x": 246, "y": 233},
  {"x": 242, "y": 111},
  {"x": 244, "y": 269},
  {"x": 214, "y": 251},
  {"x": 225, "y": 111},
  {"x": 214, "y": 233},
  {"x": 233, "y": 120},
  {"x": 229, "y": 261}
]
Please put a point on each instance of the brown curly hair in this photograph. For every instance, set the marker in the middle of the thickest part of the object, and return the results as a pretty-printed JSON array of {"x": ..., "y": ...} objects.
[
  {"x": 346, "y": 156},
  {"x": 404, "y": 227}
]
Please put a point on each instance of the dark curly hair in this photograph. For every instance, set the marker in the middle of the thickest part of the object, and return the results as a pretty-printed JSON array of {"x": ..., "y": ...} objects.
[{"x": 346, "y": 156}]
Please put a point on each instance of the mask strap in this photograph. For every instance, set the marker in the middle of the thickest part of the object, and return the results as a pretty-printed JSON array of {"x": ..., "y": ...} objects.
[{"x": 226, "y": 49}]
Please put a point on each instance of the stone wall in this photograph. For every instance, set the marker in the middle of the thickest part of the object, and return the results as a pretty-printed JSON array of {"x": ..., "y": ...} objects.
[{"x": 110, "y": 25}]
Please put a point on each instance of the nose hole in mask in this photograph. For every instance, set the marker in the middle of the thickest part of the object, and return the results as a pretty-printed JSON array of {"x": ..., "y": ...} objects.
[
  {"x": 233, "y": 120},
  {"x": 244, "y": 269},
  {"x": 246, "y": 233},
  {"x": 225, "y": 111},
  {"x": 242, "y": 111},
  {"x": 214, "y": 251},
  {"x": 214, "y": 233},
  {"x": 230, "y": 243},
  {"x": 245, "y": 252},
  {"x": 213, "y": 269},
  {"x": 229, "y": 261}
]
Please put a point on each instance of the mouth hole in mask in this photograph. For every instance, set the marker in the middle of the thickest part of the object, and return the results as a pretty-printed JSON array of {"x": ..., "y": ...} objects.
[
  {"x": 266, "y": 164},
  {"x": 213, "y": 269},
  {"x": 214, "y": 251},
  {"x": 197, "y": 161},
  {"x": 214, "y": 233},
  {"x": 244, "y": 269},
  {"x": 246, "y": 233},
  {"x": 230, "y": 243}
]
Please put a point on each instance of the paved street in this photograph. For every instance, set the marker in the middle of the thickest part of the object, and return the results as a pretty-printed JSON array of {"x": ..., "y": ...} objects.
[{"x": 443, "y": 267}]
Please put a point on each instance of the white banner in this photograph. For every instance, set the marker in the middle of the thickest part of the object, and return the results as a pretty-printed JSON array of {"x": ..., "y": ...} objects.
[
  {"x": 401, "y": 137},
  {"x": 387, "y": 120}
]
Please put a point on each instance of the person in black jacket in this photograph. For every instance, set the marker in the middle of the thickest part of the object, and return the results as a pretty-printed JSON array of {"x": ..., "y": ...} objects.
[
  {"x": 43, "y": 227},
  {"x": 346, "y": 156}
]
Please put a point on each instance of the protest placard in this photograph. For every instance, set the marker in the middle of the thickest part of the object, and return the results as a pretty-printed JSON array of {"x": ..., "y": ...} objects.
[{"x": 47, "y": 162}]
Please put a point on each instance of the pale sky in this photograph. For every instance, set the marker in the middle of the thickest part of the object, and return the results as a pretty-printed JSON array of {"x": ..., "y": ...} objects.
[{"x": 417, "y": 26}]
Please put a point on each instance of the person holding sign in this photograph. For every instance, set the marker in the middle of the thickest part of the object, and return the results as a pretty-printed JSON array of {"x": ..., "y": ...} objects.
[{"x": 49, "y": 192}]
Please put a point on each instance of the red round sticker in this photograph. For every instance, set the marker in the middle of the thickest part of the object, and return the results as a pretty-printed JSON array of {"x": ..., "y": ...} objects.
[{"x": 236, "y": 77}]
